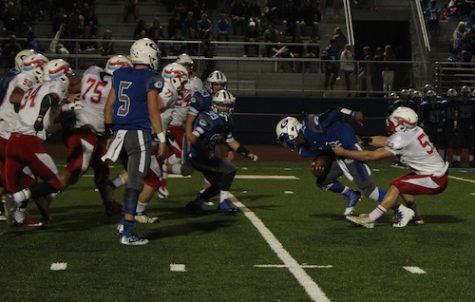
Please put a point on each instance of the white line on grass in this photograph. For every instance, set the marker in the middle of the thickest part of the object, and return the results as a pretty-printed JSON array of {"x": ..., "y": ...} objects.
[
  {"x": 414, "y": 270},
  {"x": 283, "y": 265},
  {"x": 462, "y": 179},
  {"x": 288, "y": 192},
  {"x": 177, "y": 267},
  {"x": 312, "y": 288},
  {"x": 58, "y": 266}
]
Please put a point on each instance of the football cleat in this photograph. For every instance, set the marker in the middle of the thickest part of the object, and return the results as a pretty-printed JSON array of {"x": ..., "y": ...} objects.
[
  {"x": 352, "y": 198},
  {"x": 133, "y": 240},
  {"x": 226, "y": 206},
  {"x": 362, "y": 220},
  {"x": 405, "y": 216},
  {"x": 195, "y": 207},
  {"x": 146, "y": 219}
]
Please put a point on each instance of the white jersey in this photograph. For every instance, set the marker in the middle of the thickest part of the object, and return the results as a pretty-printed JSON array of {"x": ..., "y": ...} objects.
[
  {"x": 31, "y": 104},
  {"x": 194, "y": 84},
  {"x": 8, "y": 116},
  {"x": 94, "y": 92},
  {"x": 169, "y": 96},
  {"x": 414, "y": 149}
]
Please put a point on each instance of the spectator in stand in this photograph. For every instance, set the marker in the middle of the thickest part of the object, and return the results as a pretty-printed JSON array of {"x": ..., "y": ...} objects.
[
  {"x": 377, "y": 69},
  {"x": 252, "y": 35},
  {"x": 9, "y": 50},
  {"x": 173, "y": 24},
  {"x": 364, "y": 72},
  {"x": 32, "y": 41},
  {"x": 155, "y": 32},
  {"x": 177, "y": 48},
  {"x": 222, "y": 28},
  {"x": 208, "y": 51},
  {"x": 271, "y": 35},
  {"x": 89, "y": 34},
  {"x": 457, "y": 37},
  {"x": 76, "y": 24},
  {"x": 204, "y": 26},
  {"x": 139, "y": 29},
  {"x": 310, "y": 18},
  {"x": 347, "y": 66},
  {"x": 131, "y": 7},
  {"x": 312, "y": 52},
  {"x": 432, "y": 14},
  {"x": 89, "y": 14},
  {"x": 253, "y": 12},
  {"x": 190, "y": 26},
  {"x": 331, "y": 56},
  {"x": 340, "y": 39},
  {"x": 107, "y": 47},
  {"x": 388, "y": 71},
  {"x": 282, "y": 51},
  {"x": 238, "y": 17}
]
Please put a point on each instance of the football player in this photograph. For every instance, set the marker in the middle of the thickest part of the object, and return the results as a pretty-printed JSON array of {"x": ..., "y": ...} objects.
[
  {"x": 38, "y": 110},
  {"x": 85, "y": 139},
  {"x": 314, "y": 137},
  {"x": 411, "y": 144},
  {"x": 132, "y": 116},
  {"x": 211, "y": 128}
]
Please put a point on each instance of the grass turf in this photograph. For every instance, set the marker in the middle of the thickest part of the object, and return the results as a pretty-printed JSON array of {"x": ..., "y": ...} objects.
[{"x": 220, "y": 251}]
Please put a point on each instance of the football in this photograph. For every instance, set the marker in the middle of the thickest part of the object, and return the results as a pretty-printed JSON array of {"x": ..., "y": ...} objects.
[{"x": 321, "y": 164}]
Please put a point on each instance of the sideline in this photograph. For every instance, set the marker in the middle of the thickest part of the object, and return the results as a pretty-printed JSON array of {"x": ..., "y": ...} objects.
[{"x": 312, "y": 288}]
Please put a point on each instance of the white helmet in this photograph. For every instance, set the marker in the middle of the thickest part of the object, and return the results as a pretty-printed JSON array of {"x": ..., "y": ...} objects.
[
  {"x": 33, "y": 65},
  {"x": 144, "y": 51},
  {"x": 186, "y": 61},
  {"x": 287, "y": 131},
  {"x": 402, "y": 119},
  {"x": 223, "y": 97},
  {"x": 117, "y": 62},
  {"x": 57, "y": 69},
  {"x": 176, "y": 74},
  {"x": 216, "y": 77},
  {"x": 451, "y": 92},
  {"x": 21, "y": 55}
]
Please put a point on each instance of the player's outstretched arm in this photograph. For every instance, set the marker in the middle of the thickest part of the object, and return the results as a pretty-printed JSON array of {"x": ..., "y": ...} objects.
[
  {"x": 364, "y": 155},
  {"x": 236, "y": 146}
]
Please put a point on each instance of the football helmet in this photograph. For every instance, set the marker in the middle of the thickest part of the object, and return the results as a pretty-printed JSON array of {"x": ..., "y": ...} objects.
[
  {"x": 117, "y": 62},
  {"x": 216, "y": 77},
  {"x": 401, "y": 119},
  {"x": 186, "y": 61},
  {"x": 404, "y": 94},
  {"x": 145, "y": 51},
  {"x": 427, "y": 87},
  {"x": 21, "y": 55},
  {"x": 393, "y": 96},
  {"x": 176, "y": 74},
  {"x": 465, "y": 90},
  {"x": 451, "y": 92},
  {"x": 33, "y": 65},
  {"x": 57, "y": 69},
  {"x": 223, "y": 103},
  {"x": 287, "y": 131},
  {"x": 430, "y": 94}
]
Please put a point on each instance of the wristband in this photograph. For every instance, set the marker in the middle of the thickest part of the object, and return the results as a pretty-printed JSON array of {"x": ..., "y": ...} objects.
[
  {"x": 243, "y": 151},
  {"x": 161, "y": 137}
]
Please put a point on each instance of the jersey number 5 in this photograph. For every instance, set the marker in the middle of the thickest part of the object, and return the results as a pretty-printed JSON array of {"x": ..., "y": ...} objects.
[
  {"x": 425, "y": 143},
  {"x": 123, "y": 99}
]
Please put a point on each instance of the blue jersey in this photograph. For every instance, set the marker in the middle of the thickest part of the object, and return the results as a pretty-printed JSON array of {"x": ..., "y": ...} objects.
[
  {"x": 211, "y": 130},
  {"x": 324, "y": 130},
  {"x": 201, "y": 101},
  {"x": 131, "y": 88},
  {"x": 431, "y": 113},
  {"x": 466, "y": 112},
  {"x": 4, "y": 81}
]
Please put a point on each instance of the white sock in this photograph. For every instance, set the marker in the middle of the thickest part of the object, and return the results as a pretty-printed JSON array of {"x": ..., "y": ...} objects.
[
  {"x": 176, "y": 169},
  {"x": 21, "y": 196},
  {"x": 223, "y": 195},
  {"x": 141, "y": 206}
]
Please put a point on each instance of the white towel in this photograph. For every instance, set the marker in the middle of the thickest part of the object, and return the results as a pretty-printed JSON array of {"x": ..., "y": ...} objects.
[{"x": 114, "y": 149}]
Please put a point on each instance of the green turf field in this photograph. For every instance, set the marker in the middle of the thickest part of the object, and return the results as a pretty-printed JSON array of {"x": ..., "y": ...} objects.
[{"x": 220, "y": 252}]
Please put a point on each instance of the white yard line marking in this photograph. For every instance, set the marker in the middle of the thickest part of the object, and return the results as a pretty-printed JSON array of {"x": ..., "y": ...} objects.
[
  {"x": 376, "y": 170},
  {"x": 312, "y": 288},
  {"x": 462, "y": 179},
  {"x": 473, "y": 194},
  {"x": 283, "y": 265},
  {"x": 58, "y": 266},
  {"x": 177, "y": 267},
  {"x": 274, "y": 177},
  {"x": 414, "y": 270},
  {"x": 288, "y": 192}
]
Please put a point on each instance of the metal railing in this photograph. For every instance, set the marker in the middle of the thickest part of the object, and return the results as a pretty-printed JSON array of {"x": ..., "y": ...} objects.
[
  {"x": 422, "y": 24},
  {"x": 349, "y": 22}
]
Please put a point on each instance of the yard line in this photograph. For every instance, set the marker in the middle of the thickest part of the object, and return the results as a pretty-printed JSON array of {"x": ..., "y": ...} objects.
[
  {"x": 462, "y": 179},
  {"x": 414, "y": 270},
  {"x": 283, "y": 265},
  {"x": 177, "y": 267},
  {"x": 288, "y": 192},
  {"x": 312, "y": 288},
  {"x": 274, "y": 177}
]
